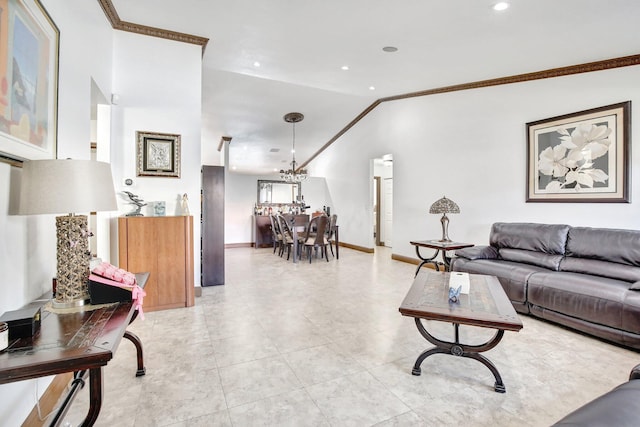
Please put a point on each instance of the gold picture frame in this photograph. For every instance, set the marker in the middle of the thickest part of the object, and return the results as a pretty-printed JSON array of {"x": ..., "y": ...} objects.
[
  {"x": 29, "y": 49},
  {"x": 158, "y": 154}
]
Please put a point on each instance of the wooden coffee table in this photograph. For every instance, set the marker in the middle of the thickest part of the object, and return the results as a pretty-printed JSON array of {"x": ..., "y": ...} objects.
[{"x": 486, "y": 306}]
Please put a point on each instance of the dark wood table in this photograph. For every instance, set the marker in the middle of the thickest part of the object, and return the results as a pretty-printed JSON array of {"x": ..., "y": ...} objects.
[
  {"x": 82, "y": 341},
  {"x": 486, "y": 306},
  {"x": 440, "y": 247}
]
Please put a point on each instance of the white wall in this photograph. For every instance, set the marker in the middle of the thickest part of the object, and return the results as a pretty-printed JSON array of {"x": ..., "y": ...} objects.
[
  {"x": 241, "y": 192},
  {"x": 159, "y": 86},
  {"x": 158, "y": 83},
  {"x": 471, "y": 146},
  {"x": 27, "y": 244}
]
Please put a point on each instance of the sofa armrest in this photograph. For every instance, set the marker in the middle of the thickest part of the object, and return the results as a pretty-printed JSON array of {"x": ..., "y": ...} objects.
[
  {"x": 635, "y": 373},
  {"x": 478, "y": 252}
]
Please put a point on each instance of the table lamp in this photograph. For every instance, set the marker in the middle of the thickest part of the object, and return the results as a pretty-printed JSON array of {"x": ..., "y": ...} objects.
[
  {"x": 444, "y": 206},
  {"x": 60, "y": 186}
]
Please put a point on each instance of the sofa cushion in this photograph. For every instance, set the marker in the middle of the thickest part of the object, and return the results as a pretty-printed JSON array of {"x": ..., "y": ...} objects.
[
  {"x": 599, "y": 300},
  {"x": 631, "y": 312},
  {"x": 478, "y": 252},
  {"x": 615, "y": 408},
  {"x": 596, "y": 267},
  {"x": 512, "y": 276},
  {"x": 552, "y": 262},
  {"x": 621, "y": 246},
  {"x": 546, "y": 238}
]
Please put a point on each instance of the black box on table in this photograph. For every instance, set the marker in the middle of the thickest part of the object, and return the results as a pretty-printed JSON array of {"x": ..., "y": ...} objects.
[
  {"x": 102, "y": 293},
  {"x": 22, "y": 323}
]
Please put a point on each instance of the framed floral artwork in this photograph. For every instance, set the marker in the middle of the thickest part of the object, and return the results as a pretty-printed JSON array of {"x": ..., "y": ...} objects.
[
  {"x": 29, "y": 42},
  {"x": 158, "y": 154},
  {"x": 580, "y": 157}
]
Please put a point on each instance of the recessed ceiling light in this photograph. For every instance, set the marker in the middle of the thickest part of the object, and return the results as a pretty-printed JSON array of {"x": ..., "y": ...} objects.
[
  {"x": 256, "y": 64},
  {"x": 390, "y": 49},
  {"x": 345, "y": 67},
  {"x": 372, "y": 88},
  {"x": 501, "y": 6},
  {"x": 234, "y": 167}
]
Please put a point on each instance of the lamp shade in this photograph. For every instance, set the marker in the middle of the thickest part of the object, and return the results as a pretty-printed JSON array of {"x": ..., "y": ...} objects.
[
  {"x": 66, "y": 186},
  {"x": 444, "y": 206}
]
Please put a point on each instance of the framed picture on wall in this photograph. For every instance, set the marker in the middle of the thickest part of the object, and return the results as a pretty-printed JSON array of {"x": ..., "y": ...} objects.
[
  {"x": 580, "y": 157},
  {"x": 158, "y": 154},
  {"x": 28, "y": 81}
]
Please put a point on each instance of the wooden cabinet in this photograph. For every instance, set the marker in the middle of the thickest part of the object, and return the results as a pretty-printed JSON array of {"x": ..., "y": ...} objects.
[
  {"x": 163, "y": 246},
  {"x": 262, "y": 228}
]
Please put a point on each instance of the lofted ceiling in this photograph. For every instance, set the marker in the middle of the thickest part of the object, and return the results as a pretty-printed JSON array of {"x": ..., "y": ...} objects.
[{"x": 301, "y": 47}]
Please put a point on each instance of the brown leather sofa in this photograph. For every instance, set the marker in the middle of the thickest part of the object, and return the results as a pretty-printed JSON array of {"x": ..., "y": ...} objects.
[
  {"x": 585, "y": 278},
  {"x": 615, "y": 408}
]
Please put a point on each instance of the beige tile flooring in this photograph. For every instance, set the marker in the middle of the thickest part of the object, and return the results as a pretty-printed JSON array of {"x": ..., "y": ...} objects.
[{"x": 323, "y": 344}]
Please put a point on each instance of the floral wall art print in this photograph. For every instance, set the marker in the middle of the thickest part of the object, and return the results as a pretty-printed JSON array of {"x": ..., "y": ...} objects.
[{"x": 580, "y": 157}]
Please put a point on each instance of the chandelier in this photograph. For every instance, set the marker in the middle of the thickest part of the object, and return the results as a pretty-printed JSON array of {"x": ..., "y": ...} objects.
[{"x": 293, "y": 174}]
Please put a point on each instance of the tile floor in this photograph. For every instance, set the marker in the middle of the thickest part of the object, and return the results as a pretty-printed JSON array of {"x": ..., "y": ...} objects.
[{"x": 324, "y": 345}]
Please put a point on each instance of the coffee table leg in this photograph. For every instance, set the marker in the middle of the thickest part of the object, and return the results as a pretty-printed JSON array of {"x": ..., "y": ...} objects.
[
  {"x": 499, "y": 385},
  {"x": 460, "y": 350},
  {"x": 416, "y": 367}
]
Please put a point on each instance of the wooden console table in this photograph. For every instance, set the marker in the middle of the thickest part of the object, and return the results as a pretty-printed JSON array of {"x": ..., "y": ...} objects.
[{"x": 82, "y": 341}]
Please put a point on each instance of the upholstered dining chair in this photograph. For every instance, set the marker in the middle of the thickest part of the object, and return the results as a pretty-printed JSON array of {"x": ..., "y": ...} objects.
[
  {"x": 318, "y": 226},
  {"x": 287, "y": 236},
  {"x": 331, "y": 232},
  {"x": 276, "y": 235}
]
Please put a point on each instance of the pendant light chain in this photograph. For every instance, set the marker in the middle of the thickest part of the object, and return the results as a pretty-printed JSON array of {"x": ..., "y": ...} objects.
[{"x": 293, "y": 175}]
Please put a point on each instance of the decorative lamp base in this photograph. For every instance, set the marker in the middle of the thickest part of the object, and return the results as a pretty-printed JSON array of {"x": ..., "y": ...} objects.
[
  {"x": 73, "y": 261},
  {"x": 445, "y": 228},
  {"x": 70, "y": 304}
]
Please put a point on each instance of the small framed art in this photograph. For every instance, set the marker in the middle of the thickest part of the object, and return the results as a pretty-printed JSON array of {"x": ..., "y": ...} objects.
[{"x": 158, "y": 154}]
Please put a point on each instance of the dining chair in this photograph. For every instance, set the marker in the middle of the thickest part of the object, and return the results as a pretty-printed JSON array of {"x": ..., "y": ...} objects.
[
  {"x": 319, "y": 225},
  {"x": 287, "y": 236},
  {"x": 331, "y": 232},
  {"x": 276, "y": 235}
]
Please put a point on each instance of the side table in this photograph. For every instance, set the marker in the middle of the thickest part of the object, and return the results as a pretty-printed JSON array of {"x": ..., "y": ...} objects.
[
  {"x": 80, "y": 341},
  {"x": 440, "y": 247}
]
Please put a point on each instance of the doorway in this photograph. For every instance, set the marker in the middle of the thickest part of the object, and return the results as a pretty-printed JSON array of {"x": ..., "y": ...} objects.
[
  {"x": 100, "y": 146},
  {"x": 382, "y": 188}
]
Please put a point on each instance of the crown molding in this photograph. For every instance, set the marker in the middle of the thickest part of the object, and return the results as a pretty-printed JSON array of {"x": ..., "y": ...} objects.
[
  {"x": 118, "y": 24},
  {"x": 222, "y": 141},
  {"x": 607, "y": 64}
]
